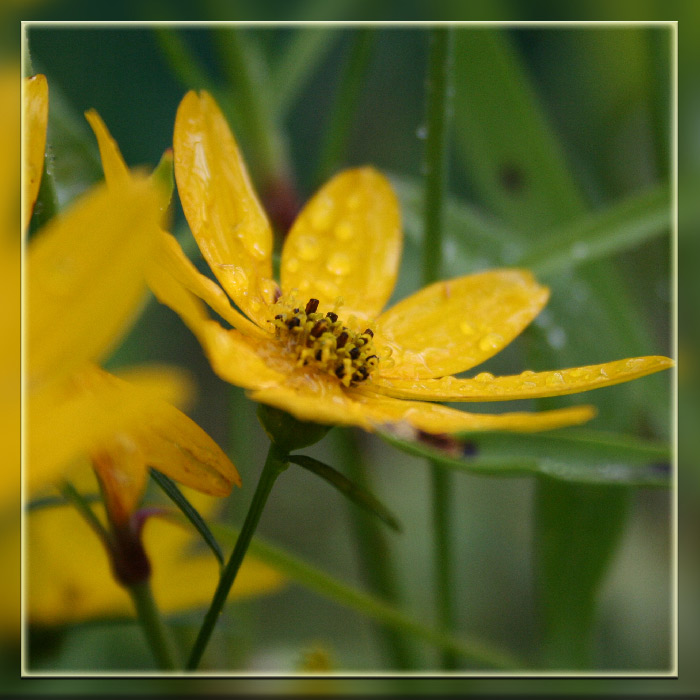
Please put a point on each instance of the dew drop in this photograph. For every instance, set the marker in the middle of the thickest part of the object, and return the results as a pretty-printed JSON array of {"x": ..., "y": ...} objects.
[
  {"x": 466, "y": 328},
  {"x": 527, "y": 373},
  {"x": 484, "y": 377},
  {"x": 603, "y": 372},
  {"x": 239, "y": 278},
  {"x": 343, "y": 231},
  {"x": 255, "y": 304},
  {"x": 354, "y": 201},
  {"x": 328, "y": 289},
  {"x": 422, "y": 132},
  {"x": 304, "y": 285},
  {"x": 556, "y": 338},
  {"x": 201, "y": 166},
  {"x": 634, "y": 363},
  {"x": 292, "y": 265},
  {"x": 339, "y": 264},
  {"x": 555, "y": 378},
  {"x": 490, "y": 342},
  {"x": 576, "y": 373},
  {"x": 321, "y": 217},
  {"x": 308, "y": 248}
]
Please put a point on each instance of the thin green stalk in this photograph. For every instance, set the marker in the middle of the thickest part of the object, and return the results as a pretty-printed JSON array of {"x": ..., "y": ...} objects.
[
  {"x": 275, "y": 464},
  {"x": 337, "y": 133},
  {"x": 436, "y": 152},
  {"x": 375, "y": 557},
  {"x": 73, "y": 496},
  {"x": 152, "y": 624}
]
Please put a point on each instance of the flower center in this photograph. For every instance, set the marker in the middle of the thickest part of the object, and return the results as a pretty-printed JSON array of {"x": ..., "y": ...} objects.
[{"x": 323, "y": 341}]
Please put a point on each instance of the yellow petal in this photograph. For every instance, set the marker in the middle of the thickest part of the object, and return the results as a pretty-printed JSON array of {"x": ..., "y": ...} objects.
[
  {"x": 221, "y": 206},
  {"x": 85, "y": 278},
  {"x": 175, "y": 263},
  {"x": 36, "y": 115},
  {"x": 528, "y": 385},
  {"x": 231, "y": 354},
  {"x": 346, "y": 243},
  {"x": 113, "y": 165},
  {"x": 456, "y": 324},
  {"x": 123, "y": 474},
  {"x": 175, "y": 445},
  {"x": 10, "y": 146},
  {"x": 69, "y": 577},
  {"x": 397, "y": 415},
  {"x": 65, "y": 421}
]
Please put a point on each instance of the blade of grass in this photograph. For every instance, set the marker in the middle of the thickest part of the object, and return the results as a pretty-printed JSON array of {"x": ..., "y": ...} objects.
[
  {"x": 316, "y": 580},
  {"x": 189, "y": 511},
  {"x": 353, "y": 492}
]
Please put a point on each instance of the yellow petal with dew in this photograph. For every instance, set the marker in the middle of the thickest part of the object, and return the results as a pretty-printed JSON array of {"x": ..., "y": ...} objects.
[
  {"x": 231, "y": 354},
  {"x": 528, "y": 385},
  {"x": 346, "y": 242},
  {"x": 36, "y": 118},
  {"x": 398, "y": 415},
  {"x": 71, "y": 419},
  {"x": 69, "y": 578},
  {"x": 453, "y": 325},
  {"x": 221, "y": 206},
  {"x": 175, "y": 263},
  {"x": 85, "y": 278}
]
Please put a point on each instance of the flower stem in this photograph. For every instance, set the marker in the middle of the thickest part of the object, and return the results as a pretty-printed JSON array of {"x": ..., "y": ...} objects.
[
  {"x": 275, "y": 464},
  {"x": 436, "y": 152},
  {"x": 152, "y": 623},
  {"x": 375, "y": 557}
]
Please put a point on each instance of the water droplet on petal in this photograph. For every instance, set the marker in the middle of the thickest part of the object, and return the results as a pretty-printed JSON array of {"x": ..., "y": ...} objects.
[
  {"x": 308, "y": 248},
  {"x": 555, "y": 378},
  {"x": 466, "y": 328},
  {"x": 321, "y": 216},
  {"x": 576, "y": 373},
  {"x": 292, "y": 265},
  {"x": 339, "y": 264},
  {"x": 490, "y": 342},
  {"x": 634, "y": 363},
  {"x": 354, "y": 201},
  {"x": 484, "y": 377},
  {"x": 343, "y": 231},
  {"x": 527, "y": 373},
  {"x": 603, "y": 372},
  {"x": 304, "y": 285}
]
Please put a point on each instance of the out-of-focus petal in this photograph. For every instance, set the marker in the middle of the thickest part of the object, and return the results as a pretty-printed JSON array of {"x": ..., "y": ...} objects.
[
  {"x": 113, "y": 165},
  {"x": 437, "y": 419},
  {"x": 69, "y": 577},
  {"x": 221, "y": 206},
  {"x": 71, "y": 419},
  {"x": 85, "y": 278},
  {"x": 451, "y": 326},
  {"x": 346, "y": 243},
  {"x": 36, "y": 119},
  {"x": 528, "y": 385}
]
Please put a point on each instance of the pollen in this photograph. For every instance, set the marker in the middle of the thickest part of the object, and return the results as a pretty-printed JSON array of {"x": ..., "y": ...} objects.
[{"x": 321, "y": 340}]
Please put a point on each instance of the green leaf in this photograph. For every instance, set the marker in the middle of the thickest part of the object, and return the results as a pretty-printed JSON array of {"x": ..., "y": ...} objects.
[
  {"x": 351, "y": 491},
  {"x": 327, "y": 586},
  {"x": 581, "y": 457},
  {"x": 615, "y": 229},
  {"x": 576, "y": 533},
  {"x": 189, "y": 511}
]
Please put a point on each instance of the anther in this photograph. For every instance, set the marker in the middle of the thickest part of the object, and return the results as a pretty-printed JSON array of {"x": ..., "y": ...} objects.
[
  {"x": 368, "y": 331},
  {"x": 293, "y": 322},
  {"x": 354, "y": 353},
  {"x": 311, "y": 306},
  {"x": 318, "y": 329},
  {"x": 342, "y": 339},
  {"x": 333, "y": 317},
  {"x": 318, "y": 355},
  {"x": 279, "y": 317},
  {"x": 340, "y": 372}
]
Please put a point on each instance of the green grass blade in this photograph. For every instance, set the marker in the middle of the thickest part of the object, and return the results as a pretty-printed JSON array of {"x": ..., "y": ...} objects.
[
  {"x": 350, "y": 490},
  {"x": 321, "y": 583},
  {"x": 189, "y": 511},
  {"x": 620, "y": 227}
]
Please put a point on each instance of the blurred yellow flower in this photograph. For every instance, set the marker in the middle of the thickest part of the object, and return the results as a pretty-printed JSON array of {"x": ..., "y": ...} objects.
[
  {"x": 69, "y": 578},
  {"x": 317, "y": 345}
]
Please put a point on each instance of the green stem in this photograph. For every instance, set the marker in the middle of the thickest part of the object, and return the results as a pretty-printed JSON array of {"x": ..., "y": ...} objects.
[
  {"x": 152, "y": 623},
  {"x": 375, "y": 558},
  {"x": 436, "y": 152},
  {"x": 340, "y": 122},
  {"x": 275, "y": 464},
  {"x": 81, "y": 504}
]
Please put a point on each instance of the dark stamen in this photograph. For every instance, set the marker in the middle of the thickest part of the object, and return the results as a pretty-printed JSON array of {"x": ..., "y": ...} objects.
[
  {"x": 318, "y": 355},
  {"x": 293, "y": 322},
  {"x": 355, "y": 353},
  {"x": 296, "y": 311},
  {"x": 342, "y": 339},
  {"x": 333, "y": 317},
  {"x": 279, "y": 317},
  {"x": 318, "y": 329},
  {"x": 340, "y": 372},
  {"x": 311, "y": 306},
  {"x": 368, "y": 331}
]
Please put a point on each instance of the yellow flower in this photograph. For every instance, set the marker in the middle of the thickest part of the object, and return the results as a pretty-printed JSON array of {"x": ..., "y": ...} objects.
[{"x": 318, "y": 344}]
